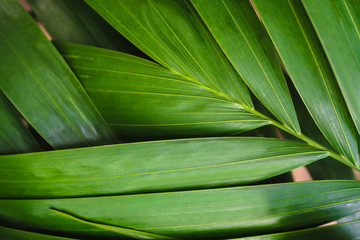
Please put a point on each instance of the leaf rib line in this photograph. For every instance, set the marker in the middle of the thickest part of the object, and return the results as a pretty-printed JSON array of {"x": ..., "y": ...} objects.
[{"x": 174, "y": 170}]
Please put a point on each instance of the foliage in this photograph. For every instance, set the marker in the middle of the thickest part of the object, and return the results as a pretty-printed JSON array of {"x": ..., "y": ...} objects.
[{"x": 160, "y": 119}]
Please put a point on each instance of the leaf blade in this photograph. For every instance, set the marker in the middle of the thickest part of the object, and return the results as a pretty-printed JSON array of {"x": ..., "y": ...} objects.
[
  {"x": 337, "y": 25},
  {"x": 225, "y": 212},
  {"x": 251, "y": 54},
  {"x": 307, "y": 65},
  {"x": 155, "y": 102},
  {"x": 150, "y": 167},
  {"x": 37, "y": 67},
  {"x": 172, "y": 34}
]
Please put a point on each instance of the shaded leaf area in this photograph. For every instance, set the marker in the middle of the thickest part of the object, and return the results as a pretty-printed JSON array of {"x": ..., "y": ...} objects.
[
  {"x": 302, "y": 54},
  {"x": 338, "y": 26},
  {"x": 150, "y": 166},
  {"x": 37, "y": 80},
  {"x": 327, "y": 168},
  {"x": 14, "y": 234},
  {"x": 140, "y": 99},
  {"x": 75, "y": 21},
  {"x": 172, "y": 33},
  {"x": 344, "y": 231},
  {"x": 247, "y": 45},
  {"x": 14, "y": 136},
  {"x": 224, "y": 212}
]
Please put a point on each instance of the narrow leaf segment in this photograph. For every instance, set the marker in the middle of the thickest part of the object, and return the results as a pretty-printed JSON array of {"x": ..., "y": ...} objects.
[
  {"x": 246, "y": 44},
  {"x": 296, "y": 41},
  {"x": 150, "y": 167}
]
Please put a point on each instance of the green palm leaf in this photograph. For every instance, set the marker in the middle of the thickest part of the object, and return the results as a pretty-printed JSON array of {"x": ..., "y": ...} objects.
[
  {"x": 155, "y": 102},
  {"x": 224, "y": 212},
  {"x": 251, "y": 54},
  {"x": 150, "y": 166},
  {"x": 338, "y": 27},
  {"x": 34, "y": 76},
  {"x": 298, "y": 46}
]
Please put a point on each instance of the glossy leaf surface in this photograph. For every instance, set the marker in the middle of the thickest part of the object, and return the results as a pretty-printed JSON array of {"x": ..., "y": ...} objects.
[
  {"x": 173, "y": 34},
  {"x": 140, "y": 99},
  {"x": 14, "y": 136},
  {"x": 225, "y": 212},
  {"x": 36, "y": 79},
  {"x": 246, "y": 44},
  {"x": 298, "y": 46},
  {"x": 150, "y": 166},
  {"x": 74, "y": 21},
  {"x": 338, "y": 26}
]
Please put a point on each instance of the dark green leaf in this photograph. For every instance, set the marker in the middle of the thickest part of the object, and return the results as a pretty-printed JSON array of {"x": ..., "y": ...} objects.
[
  {"x": 140, "y": 99},
  {"x": 42, "y": 87},
  {"x": 75, "y": 21},
  {"x": 301, "y": 52},
  {"x": 249, "y": 49},
  {"x": 338, "y": 26},
  {"x": 150, "y": 166},
  {"x": 225, "y": 212},
  {"x": 14, "y": 136}
]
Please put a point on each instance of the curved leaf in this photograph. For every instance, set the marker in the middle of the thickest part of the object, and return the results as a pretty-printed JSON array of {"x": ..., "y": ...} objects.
[
  {"x": 173, "y": 34},
  {"x": 246, "y": 44},
  {"x": 140, "y": 99},
  {"x": 225, "y": 212},
  {"x": 36, "y": 79},
  {"x": 14, "y": 136},
  {"x": 150, "y": 166},
  {"x": 338, "y": 27},
  {"x": 296, "y": 41}
]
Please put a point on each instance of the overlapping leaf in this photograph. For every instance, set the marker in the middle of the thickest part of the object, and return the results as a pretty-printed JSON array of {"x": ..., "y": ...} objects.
[
  {"x": 249, "y": 49},
  {"x": 301, "y": 52},
  {"x": 224, "y": 212},
  {"x": 140, "y": 99},
  {"x": 42, "y": 87},
  {"x": 338, "y": 26},
  {"x": 173, "y": 34}
]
